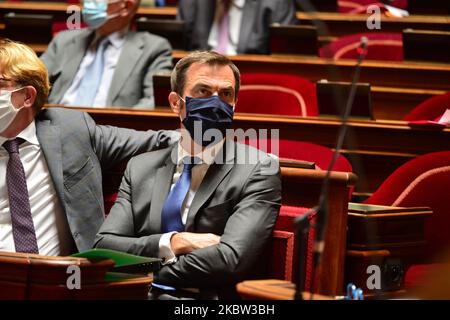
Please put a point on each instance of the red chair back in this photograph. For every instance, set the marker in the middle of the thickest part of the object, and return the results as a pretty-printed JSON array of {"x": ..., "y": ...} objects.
[
  {"x": 422, "y": 182},
  {"x": 280, "y": 94},
  {"x": 360, "y": 6},
  {"x": 303, "y": 151},
  {"x": 430, "y": 109},
  {"x": 381, "y": 46}
]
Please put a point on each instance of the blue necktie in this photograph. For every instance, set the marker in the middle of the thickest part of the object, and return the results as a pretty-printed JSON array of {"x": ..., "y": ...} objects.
[
  {"x": 19, "y": 203},
  {"x": 171, "y": 212},
  {"x": 91, "y": 81}
]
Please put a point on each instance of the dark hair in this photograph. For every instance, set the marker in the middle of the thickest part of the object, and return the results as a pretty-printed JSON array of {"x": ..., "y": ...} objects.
[{"x": 178, "y": 77}]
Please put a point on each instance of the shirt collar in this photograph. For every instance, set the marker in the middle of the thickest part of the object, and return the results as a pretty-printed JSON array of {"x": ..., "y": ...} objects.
[
  {"x": 116, "y": 39},
  {"x": 28, "y": 134},
  {"x": 207, "y": 156},
  {"x": 238, "y": 3}
]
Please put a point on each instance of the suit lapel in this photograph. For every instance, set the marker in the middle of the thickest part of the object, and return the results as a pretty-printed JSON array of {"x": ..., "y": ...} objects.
[
  {"x": 50, "y": 140},
  {"x": 216, "y": 173},
  {"x": 161, "y": 187},
  {"x": 248, "y": 20},
  {"x": 76, "y": 51},
  {"x": 131, "y": 53}
]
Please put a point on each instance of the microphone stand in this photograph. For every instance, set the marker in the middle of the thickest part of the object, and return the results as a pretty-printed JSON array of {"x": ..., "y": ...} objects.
[{"x": 321, "y": 210}]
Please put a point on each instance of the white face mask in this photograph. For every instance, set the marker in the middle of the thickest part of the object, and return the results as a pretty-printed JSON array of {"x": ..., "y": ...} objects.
[{"x": 7, "y": 111}]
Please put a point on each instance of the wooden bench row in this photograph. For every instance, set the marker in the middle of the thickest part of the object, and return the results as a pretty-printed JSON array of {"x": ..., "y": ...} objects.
[
  {"x": 338, "y": 24},
  {"x": 375, "y": 148}
]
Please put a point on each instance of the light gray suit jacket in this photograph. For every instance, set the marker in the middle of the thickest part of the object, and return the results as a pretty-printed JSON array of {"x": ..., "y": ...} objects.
[
  {"x": 239, "y": 202},
  {"x": 76, "y": 150},
  {"x": 142, "y": 55},
  {"x": 257, "y": 16}
]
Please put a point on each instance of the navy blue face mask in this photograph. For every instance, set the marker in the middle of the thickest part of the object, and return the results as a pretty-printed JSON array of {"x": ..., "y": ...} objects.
[{"x": 211, "y": 113}]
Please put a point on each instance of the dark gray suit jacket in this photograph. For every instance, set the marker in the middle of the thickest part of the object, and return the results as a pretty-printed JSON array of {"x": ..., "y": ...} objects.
[
  {"x": 142, "y": 55},
  {"x": 257, "y": 17},
  {"x": 76, "y": 150},
  {"x": 239, "y": 202}
]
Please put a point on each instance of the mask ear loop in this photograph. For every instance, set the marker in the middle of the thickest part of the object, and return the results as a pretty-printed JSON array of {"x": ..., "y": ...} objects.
[
  {"x": 181, "y": 98},
  {"x": 15, "y": 90}
]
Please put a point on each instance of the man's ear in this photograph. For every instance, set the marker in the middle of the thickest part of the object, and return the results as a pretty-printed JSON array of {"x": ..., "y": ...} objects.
[
  {"x": 129, "y": 8},
  {"x": 29, "y": 96},
  {"x": 175, "y": 103}
]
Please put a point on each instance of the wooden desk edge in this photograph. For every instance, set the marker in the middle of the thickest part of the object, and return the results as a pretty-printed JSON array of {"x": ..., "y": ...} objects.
[{"x": 273, "y": 290}]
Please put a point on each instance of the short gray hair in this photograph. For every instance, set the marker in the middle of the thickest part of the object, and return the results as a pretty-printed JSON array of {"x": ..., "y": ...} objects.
[{"x": 178, "y": 76}]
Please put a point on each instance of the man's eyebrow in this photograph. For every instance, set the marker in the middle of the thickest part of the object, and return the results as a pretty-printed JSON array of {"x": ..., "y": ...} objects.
[{"x": 202, "y": 85}]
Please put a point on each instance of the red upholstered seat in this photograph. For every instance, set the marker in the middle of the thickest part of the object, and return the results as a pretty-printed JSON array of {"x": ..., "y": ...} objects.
[
  {"x": 381, "y": 46},
  {"x": 304, "y": 151},
  {"x": 282, "y": 258},
  {"x": 282, "y": 94},
  {"x": 360, "y": 6},
  {"x": 425, "y": 182},
  {"x": 430, "y": 109}
]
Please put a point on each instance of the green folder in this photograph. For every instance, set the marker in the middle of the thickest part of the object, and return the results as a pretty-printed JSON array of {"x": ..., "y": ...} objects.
[{"x": 124, "y": 262}]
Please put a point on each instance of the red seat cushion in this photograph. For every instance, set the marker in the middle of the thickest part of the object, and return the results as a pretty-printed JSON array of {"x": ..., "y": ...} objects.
[
  {"x": 422, "y": 182},
  {"x": 360, "y": 6},
  {"x": 430, "y": 109},
  {"x": 109, "y": 200},
  {"x": 381, "y": 46}
]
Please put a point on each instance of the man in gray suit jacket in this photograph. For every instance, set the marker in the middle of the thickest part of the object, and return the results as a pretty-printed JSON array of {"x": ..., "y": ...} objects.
[
  {"x": 62, "y": 153},
  {"x": 252, "y": 21},
  {"x": 212, "y": 233},
  {"x": 130, "y": 60}
]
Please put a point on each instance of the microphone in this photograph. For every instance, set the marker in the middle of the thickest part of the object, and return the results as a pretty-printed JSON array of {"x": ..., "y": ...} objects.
[{"x": 321, "y": 210}]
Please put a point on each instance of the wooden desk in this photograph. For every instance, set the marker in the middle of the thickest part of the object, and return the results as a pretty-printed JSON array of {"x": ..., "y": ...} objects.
[
  {"x": 285, "y": 290},
  {"x": 273, "y": 290},
  {"x": 417, "y": 75},
  {"x": 419, "y": 80},
  {"x": 59, "y": 9},
  {"x": 392, "y": 238},
  {"x": 338, "y": 24},
  {"x": 25, "y": 276},
  {"x": 375, "y": 148},
  {"x": 389, "y": 237}
]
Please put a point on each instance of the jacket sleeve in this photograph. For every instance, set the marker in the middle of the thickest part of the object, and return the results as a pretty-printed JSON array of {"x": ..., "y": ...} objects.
[
  {"x": 246, "y": 233},
  {"x": 51, "y": 59},
  {"x": 285, "y": 13},
  {"x": 118, "y": 230},
  {"x": 114, "y": 145}
]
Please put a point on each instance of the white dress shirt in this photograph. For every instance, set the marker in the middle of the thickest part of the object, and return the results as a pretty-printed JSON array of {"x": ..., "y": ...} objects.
[
  {"x": 235, "y": 14},
  {"x": 112, "y": 54},
  {"x": 198, "y": 173},
  {"x": 50, "y": 223}
]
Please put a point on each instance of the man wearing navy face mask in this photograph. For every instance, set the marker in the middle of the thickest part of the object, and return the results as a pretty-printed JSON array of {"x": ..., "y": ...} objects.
[
  {"x": 204, "y": 206},
  {"x": 106, "y": 64}
]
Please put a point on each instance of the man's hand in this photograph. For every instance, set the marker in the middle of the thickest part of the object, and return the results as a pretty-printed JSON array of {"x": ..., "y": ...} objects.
[{"x": 186, "y": 242}]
